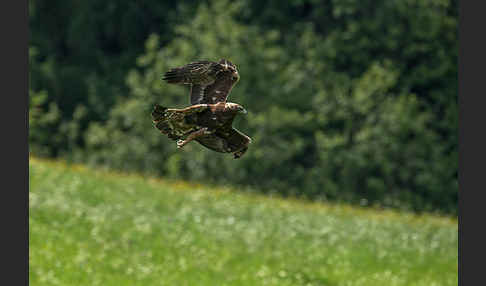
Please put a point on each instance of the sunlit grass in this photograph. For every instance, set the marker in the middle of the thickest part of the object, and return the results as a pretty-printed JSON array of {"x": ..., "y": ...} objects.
[{"x": 90, "y": 227}]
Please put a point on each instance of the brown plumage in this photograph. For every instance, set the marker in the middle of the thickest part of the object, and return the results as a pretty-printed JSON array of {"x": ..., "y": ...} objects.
[{"x": 209, "y": 119}]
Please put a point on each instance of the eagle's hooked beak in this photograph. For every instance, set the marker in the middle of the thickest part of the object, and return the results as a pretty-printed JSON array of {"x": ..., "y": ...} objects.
[
  {"x": 242, "y": 111},
  {"x": 236, "y": 77}
]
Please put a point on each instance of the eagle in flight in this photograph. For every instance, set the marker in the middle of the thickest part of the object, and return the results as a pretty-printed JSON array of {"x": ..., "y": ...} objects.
[{"x": 209, "y": 119}]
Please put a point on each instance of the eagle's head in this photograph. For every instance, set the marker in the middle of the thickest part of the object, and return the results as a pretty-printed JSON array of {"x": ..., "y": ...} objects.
[
  {"x": 242, "y": 110},
  {"x": 236, "y": 108},
  {"x": 230, "y": 67}
]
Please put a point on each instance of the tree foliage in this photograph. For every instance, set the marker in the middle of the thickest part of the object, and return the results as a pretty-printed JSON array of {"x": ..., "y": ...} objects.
[{"x": 348, "y": 100}]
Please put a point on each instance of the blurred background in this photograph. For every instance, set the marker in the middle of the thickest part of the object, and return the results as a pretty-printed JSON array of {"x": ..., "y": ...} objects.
[{"x": 349, "y": 101}]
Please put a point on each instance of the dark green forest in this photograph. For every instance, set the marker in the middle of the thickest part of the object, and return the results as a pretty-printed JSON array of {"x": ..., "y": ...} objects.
[{"x": 348, "y": 101}]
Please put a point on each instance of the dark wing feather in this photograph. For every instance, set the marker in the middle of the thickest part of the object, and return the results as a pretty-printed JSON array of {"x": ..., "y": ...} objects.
[
  {"x": 197, "y": 93},
  {"x": 175, "y": 125},
  {"x": 210, "y": 82},
  {"x": 213, "y": 142},
  {"x": 201, "y": 72},
  {"x": 236, "y": 139},
  {"x": 219, "y": 90},
  {"x": 227, "y": 141}
]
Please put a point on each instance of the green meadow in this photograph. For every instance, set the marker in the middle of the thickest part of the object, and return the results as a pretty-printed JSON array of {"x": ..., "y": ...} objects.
[{"x": 94, "y": 227}]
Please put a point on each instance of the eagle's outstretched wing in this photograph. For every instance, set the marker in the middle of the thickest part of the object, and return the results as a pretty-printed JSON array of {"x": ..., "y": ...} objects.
[
  {"x": 201, "y": 72},
  {"x": 227, "y": 141},
  {"x": 176, "y": 124},
  {"x": 211, "y": 82}
]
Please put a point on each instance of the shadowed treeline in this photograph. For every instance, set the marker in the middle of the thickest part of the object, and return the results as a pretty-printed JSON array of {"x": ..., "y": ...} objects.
[{"x": 348, "y": 100}]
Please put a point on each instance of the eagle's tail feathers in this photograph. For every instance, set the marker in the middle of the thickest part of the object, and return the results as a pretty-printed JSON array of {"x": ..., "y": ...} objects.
[{"x": 159, "y": 118}]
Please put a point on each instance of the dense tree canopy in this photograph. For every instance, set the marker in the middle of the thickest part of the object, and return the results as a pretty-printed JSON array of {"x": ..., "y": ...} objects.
[{"x": 348, "y": 100}]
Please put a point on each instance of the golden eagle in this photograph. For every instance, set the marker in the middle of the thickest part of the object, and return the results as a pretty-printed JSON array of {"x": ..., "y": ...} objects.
[{"x": 209, "y": 119}]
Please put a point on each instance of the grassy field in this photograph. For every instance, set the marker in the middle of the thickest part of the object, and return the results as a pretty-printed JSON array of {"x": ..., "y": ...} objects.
[{"x": 90, "y": 227}]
